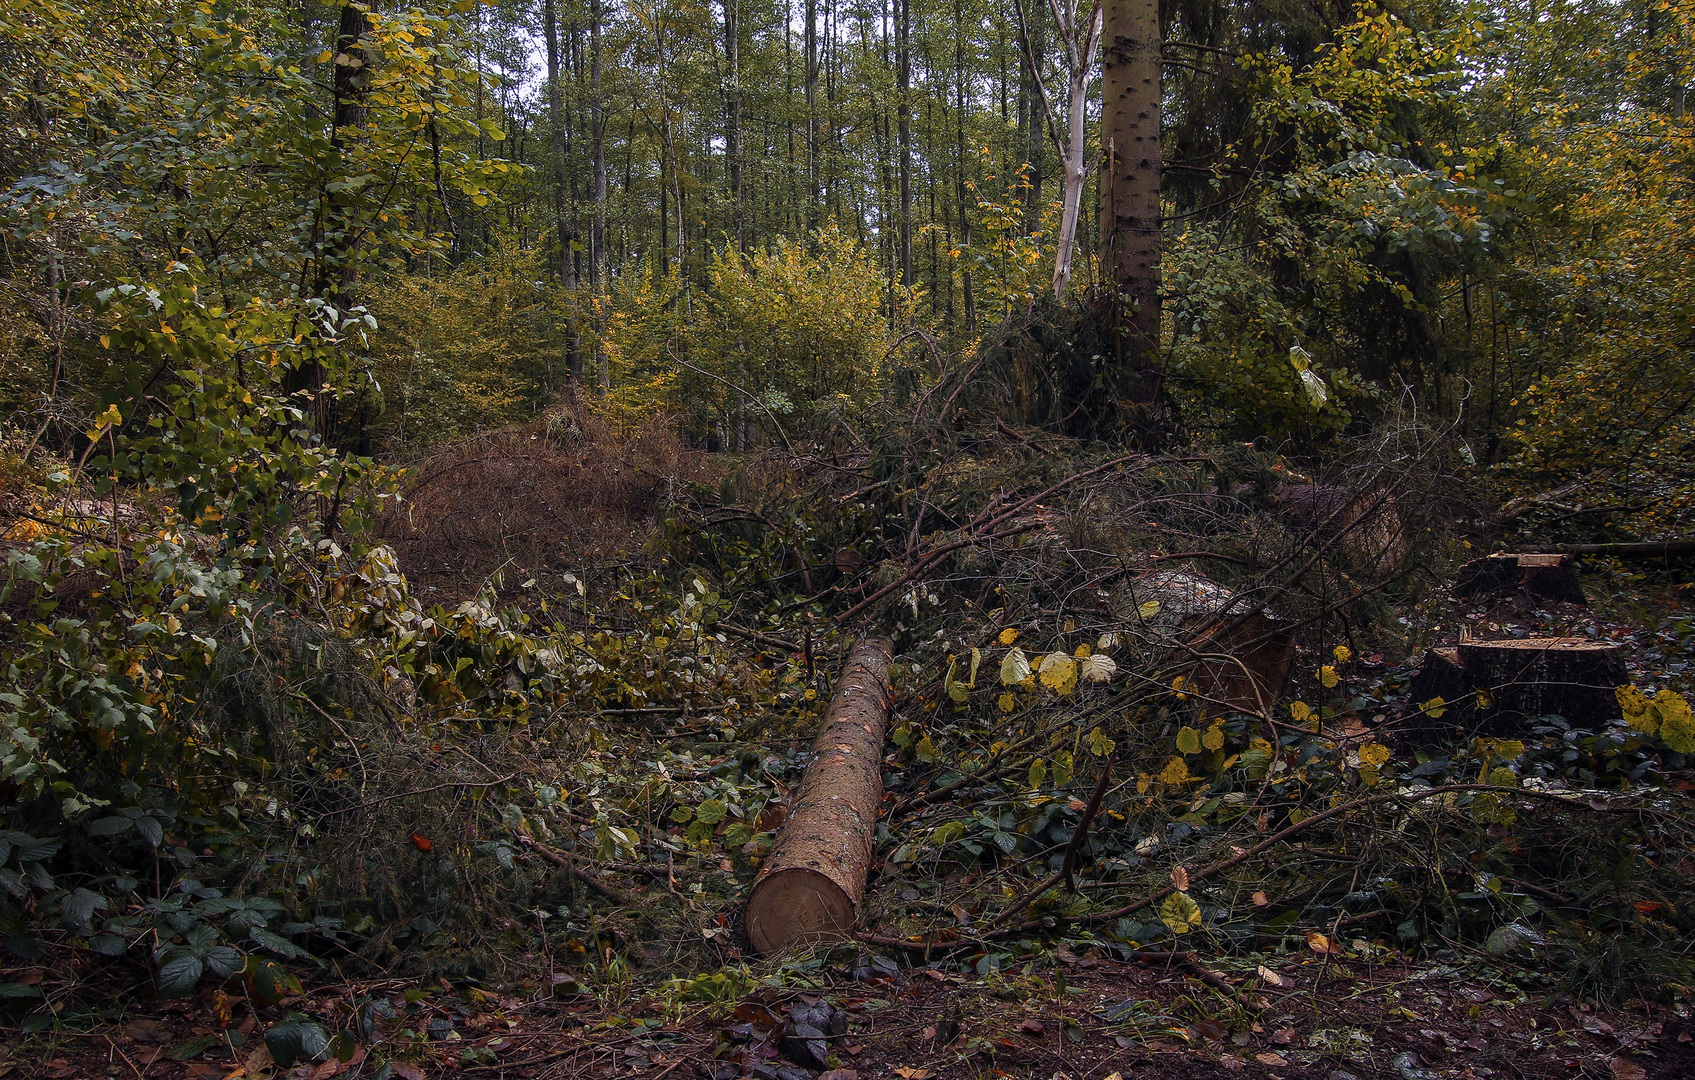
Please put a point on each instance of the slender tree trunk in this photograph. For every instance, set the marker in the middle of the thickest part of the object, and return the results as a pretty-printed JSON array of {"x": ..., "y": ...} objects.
[
  {"x": 903, "y": 113},
  {"x": 812, "y": 113},
  {"x": 597, "y": 236},
  {"x": 733, "y": 119},
  {"x": 336, "y": 271},
  {"x": 1130, "y": 207},
  {"x": 960, "y": 190},
  {"x": 556, "y": 120}
]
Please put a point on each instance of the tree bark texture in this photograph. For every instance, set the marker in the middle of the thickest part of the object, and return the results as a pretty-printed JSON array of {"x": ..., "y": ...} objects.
[
  {"x": 1492, "y": 687},
  {"x": 1553, "y": 577},
  {"x": 811, "y": 884},
  {"x": 1130, "y": 182}
]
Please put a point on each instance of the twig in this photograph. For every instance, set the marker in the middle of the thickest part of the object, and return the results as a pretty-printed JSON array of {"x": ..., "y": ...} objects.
[
  {"x": 617, "y": 896},
  {"x": 758, "y": 638},
  {"x": 1082, "y": 832},
  {"x": 421, "y": 791}
]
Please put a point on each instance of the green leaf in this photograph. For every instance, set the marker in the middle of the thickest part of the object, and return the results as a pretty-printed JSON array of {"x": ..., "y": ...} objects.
[
  {"x": 1188, "y": 741},
  {"x": 267, "y": 980},
  {"x": 296, "y": 1040},
  {"x": 110, "y": 826},
  {"x": 711, "y": 812},
  {"x": 179, "y": 973},
  {"x": 1038, "y": 773}
]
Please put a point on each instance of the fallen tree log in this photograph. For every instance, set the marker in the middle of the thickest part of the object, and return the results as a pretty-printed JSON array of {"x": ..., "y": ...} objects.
[
  {"x": 1650, "y": 549},
  {"x": 810, "y": 885}
]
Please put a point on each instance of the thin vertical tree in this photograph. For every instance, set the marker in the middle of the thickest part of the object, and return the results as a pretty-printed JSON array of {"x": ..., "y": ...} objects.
[{"x": 1080, "y": 40}]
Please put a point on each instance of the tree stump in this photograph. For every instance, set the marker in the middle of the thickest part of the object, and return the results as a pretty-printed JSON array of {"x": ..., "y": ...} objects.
[
  {"x": 1246, "y": 661},
  {"x": 1491, "y": 687},
  {"x": 810, "y": 886},
  {"x": 1241, "y": 652},
  {"x": 1553, "y": 576},
  {"x": 1372, "y": 534}
]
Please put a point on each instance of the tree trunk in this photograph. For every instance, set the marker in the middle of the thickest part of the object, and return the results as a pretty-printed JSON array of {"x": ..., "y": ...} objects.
[
  {"x": 1550, "y": 576},
  {"x": 812, "y": 113},
  {"x": 903, "y": 114},
  {"x": 556, "y": 119},
  {"x": 351, "y": 78},
  {"x": 733, "y": 120},
  {"x": 597, "y": 236},
  {"x": 810, "y": 886},
  {"x": 1130, "y": 207},
  {"x": 962, "y": 194}
]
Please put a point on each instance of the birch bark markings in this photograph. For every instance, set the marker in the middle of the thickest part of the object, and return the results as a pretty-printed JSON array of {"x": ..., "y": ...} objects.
[{"x": 1130, "y": 208}]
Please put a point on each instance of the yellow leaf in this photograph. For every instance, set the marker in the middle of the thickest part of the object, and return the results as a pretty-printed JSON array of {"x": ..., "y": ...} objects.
[
  {"x": 1007, "y": 703},
  {"x": 1099, "y": 744},
  {"x": 1327, "y": 675},
  {"x": 1149, "y": 609},
  {"x": 1180, "y": 913},
  {"x": 1188, "y": 740},
  {"x": 1434, "y": 708},
  {"x": 1214, "y": 738},
  {"x": 1082, "y": 651},
  {"x": 1374, "y": 754},
  {"x": 1300, "y": 711},
  {"x": 1059, "y": 673},
  {"x": 1008, "y": 636},
  {"x": 1342, "y": 654},
  {"x": 1176, "y": 771}
]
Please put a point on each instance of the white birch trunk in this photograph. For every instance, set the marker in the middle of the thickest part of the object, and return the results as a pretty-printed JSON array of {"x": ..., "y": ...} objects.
[{"x": 1081, "y": 44}]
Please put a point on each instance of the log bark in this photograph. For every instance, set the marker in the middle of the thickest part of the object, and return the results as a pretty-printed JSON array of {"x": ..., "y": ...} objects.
[
  {"x": 811, "y": 884},
  {"x": 1553, "y": 576}
]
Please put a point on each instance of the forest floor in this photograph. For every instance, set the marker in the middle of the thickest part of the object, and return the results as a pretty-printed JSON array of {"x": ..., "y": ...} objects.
[
  {"x": 585, "y": 920},
  {"x": 1282, "y": 1013},
  {"x": 1079, "y": 1017}
]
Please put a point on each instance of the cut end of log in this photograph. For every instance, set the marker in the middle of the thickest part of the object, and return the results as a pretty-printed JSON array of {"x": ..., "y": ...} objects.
[{"x": 797, "y": 906}]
